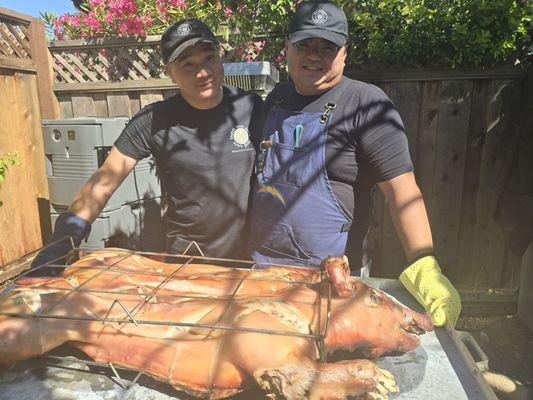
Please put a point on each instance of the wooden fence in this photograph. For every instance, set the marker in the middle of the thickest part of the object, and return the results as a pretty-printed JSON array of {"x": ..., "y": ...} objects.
[
  {"x": 452, "y": 120},
  {"x": 25, "y": 96}
]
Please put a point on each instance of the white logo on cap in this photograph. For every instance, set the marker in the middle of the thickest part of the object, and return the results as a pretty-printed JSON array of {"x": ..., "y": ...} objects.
[
  {"x": 319, "y": 17},
  {"x": 184, "y": 29}
]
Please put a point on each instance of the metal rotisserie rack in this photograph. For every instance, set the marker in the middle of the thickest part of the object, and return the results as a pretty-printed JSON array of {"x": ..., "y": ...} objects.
[{"x": 125, "y": 303}]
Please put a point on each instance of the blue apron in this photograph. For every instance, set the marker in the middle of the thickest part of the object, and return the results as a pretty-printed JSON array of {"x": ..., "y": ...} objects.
[{"x": 295, "y": 217}]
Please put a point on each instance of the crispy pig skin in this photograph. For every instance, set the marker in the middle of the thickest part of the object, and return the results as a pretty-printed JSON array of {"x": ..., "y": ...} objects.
[{"x": 201, "y": 360}]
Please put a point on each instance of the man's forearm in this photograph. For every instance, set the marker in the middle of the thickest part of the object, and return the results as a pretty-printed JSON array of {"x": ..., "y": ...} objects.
[
  {"x": 95, "y": 193},
  {"x": 92, "y": 197},
  {"x": 409, "y": 216}
]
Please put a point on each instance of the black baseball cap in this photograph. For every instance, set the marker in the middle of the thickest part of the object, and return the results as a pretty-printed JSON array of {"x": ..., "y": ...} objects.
[
  {"x": 183, "y": 34},
  {"x": 319, "y": 19}
]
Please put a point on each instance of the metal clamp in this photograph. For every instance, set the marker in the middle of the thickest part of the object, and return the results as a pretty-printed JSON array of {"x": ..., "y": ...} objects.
[{"x": 325, "y": 114}]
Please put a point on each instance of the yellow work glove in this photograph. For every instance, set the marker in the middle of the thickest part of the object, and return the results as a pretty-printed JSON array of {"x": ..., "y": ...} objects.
[{"x": 425, "y": 281}]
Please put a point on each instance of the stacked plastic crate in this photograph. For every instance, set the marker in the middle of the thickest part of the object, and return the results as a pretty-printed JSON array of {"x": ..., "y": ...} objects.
[{"x": 74, "y": 149}]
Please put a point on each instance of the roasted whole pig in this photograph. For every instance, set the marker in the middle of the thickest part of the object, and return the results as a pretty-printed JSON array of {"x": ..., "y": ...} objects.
[{"x": 214, "y": 331}]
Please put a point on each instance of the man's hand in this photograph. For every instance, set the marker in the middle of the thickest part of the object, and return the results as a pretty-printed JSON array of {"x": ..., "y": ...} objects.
[
  {"x": 58, "y": 246},
  {"x": 425, "y": 281}
]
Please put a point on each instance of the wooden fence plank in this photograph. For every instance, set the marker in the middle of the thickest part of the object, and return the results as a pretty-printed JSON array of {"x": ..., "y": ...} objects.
[
  {"x": 100, "y": 104},
  {"x": 10, "y": 218},
  {"x": 476, "y": 135},
  {"x": 65, "y": 105},
  {"x": 33, "y": 138},
  {"x": 406, "y": 98},
  {"x": 489, "y": 243},
  {"x": 14, "y": 15},
  {"x": 151, "y": 84},
  {"x": 83, "y": 105},
  {"x": 453, "y": 122},
  {"x": 135, "y": 102},
  {"x": 118, "y": 104},
  {"x": 17, "y": 64},
  {"x": 20, "y": 131},
  {"x": 150, "y": 97},
  {"x": 426, "y": 139},
  {"x": 49, "y": 106}
]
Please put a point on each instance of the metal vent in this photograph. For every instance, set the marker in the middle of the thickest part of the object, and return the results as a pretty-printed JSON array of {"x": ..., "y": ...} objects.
[
  {"x": 73, "y": 166},
  {"x": 255, "y": 76}
]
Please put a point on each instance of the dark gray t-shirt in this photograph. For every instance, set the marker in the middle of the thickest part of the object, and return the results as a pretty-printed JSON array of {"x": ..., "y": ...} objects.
[
  {"x": 204, "y": 159},
  {"x": 366, "y": 144}
]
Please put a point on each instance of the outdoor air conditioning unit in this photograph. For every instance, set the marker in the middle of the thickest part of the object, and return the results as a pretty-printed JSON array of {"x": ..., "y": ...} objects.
[
  {"x": 74, "y": 149},
  {"x": 259, "y": 76}
]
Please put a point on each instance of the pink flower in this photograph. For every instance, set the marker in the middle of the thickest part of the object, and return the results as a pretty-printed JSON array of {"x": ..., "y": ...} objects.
[
  {"x": 228, "y": 11},
  {"x": 179, "y": 3},
  {"x": 95, "y": 3},
  {"x": 92, "y": 22},
  {"x": 75, "y": 21}
]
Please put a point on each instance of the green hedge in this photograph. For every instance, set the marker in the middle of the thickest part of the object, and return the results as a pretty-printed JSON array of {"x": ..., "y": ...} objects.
[
  {"x": 383, "y": 33},
  {"x": 437, "y": 33}
]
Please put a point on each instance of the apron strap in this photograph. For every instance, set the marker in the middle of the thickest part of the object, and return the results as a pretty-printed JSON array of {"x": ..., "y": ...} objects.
[{"x": 332, "y": 103}]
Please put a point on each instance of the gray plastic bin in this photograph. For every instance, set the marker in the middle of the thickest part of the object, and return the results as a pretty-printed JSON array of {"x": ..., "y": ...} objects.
[
  {"x": 76, "y": 147},
  {"x": 74, "y": 150}
]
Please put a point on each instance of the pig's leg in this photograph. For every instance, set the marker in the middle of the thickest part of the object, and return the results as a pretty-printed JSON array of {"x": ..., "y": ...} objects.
[
  {"x": 338, "y": 272},
  {"x": 20, "y": 338},
  {"x": 323, "y": 381}
]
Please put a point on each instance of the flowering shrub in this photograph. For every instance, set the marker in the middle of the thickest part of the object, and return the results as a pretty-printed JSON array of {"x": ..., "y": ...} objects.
[{"x": 383, "y": 33}]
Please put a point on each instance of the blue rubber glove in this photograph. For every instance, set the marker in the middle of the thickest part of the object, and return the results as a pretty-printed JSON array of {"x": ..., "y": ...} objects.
[{"x": 58, "y": 246}]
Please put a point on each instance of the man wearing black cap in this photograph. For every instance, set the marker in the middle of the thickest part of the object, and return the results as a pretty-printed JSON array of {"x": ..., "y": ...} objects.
[
  {"x": 202, "y": 141},
  {"x": 327, "y": 141}
]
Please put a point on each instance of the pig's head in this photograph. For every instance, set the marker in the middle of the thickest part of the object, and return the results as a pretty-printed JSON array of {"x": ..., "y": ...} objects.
[{"x": 372, "y": 323}]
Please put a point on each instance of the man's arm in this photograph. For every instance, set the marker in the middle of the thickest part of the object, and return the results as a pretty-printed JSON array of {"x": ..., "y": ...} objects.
[
  {"x": 408, "y": 213},
  {"x": 423, "y": 277},
  {"x": 95, "y": 193},
  {"x": 87, "y": 205}
]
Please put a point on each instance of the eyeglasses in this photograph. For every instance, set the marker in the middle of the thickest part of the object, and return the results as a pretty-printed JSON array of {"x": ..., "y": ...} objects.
[{"x": 329, "y": 51}]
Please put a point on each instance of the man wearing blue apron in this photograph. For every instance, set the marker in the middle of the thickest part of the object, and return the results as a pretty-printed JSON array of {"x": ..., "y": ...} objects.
[{"x": 327, "y": 140}]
